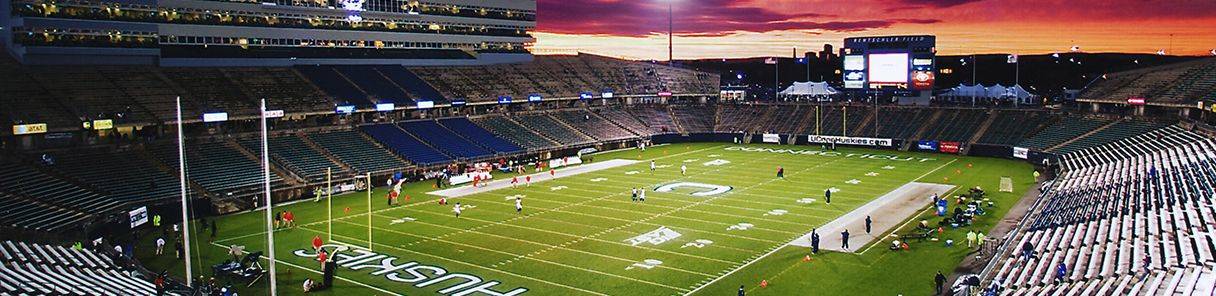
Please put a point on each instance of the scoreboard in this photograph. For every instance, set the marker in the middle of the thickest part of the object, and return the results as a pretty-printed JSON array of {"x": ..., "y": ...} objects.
[{"x": 903, "y": 63}]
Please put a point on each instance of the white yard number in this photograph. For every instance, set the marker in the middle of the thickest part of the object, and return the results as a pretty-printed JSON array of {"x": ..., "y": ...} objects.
[
  {"x": 776, "y": 212},
  {"x": 647, "y": 264},
  {"x": 701, "y": 243},
  {"x": 716, "y": 162},
  {"x": 888, "y": 168},
  {"x": 740, "y": 226},
  {"x": 854, "y": 181},
  {"x": 806, "y": 200},
  {"x": 871, "y": 174},
  {"x": 632, "y": 173}
]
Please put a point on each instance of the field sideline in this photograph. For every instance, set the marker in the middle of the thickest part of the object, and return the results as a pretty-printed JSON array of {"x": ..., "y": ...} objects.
[{"x": 574, "y": 234}]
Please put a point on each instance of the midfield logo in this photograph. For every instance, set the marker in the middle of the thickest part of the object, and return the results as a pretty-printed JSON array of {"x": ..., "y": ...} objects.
[
  {"x": 412, "y": 272},
  {"x": 703, "y": 189}
]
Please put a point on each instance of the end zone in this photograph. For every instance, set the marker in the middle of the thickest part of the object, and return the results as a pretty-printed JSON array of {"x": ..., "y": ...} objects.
[
  {"x": 887, "y": 212},
  {"x": 537, "y": 177}
]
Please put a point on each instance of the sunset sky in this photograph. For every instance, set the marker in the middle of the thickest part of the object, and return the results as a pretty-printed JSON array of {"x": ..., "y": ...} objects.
[{"x": 637, "y": 29}]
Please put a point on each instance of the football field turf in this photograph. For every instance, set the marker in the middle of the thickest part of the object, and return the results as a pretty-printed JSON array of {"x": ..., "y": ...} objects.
[{"x": 723, "y": 224}]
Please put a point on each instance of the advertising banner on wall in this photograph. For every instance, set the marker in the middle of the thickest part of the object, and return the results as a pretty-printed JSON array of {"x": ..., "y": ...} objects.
[
  {"x": 1021, "y": 153},
  {"x": 772, "y": 138},
  {"x": 949, "y": 147},
  {"x": 926, "y": 145},
  {"x": 848, "y": 140}
]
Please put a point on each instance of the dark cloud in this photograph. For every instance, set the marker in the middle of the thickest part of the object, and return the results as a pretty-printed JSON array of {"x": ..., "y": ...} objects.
[{"x": 692, "y": 18}]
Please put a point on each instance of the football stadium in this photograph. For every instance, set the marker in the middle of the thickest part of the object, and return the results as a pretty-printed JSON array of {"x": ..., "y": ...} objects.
[{"x": 539, "y": 147}]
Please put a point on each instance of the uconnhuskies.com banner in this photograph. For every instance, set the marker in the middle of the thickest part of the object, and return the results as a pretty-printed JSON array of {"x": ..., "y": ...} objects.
[{"x": 848, "y": 140}]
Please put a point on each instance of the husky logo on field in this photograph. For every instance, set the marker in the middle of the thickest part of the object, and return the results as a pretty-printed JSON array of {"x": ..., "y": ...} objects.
[
  {"x": 716, "y": 162},
  {"x": 408, "y": 272},
  {"x": 702, "y": 188}
]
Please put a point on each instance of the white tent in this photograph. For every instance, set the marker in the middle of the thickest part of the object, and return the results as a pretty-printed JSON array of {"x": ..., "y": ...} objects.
[
  {"x": 809, "y": 89},
  {"x": 995, "y": 91}
]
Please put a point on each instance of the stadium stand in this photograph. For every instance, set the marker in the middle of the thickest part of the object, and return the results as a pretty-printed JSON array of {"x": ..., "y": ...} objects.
[
  {"x": 220, "y": 168},
  {"x": 898, "y": 122},
  {"x": 694, "y": 119},
  {"x": 399, "y": 141},
  {"x": 593, "y": 125},
  {"x": 783, "y": 119},
  {"x": 556, "y": 76},
  {"x": 656, "y": 117},
  {"x": 125, "y": 175},
  {"x": 292, "y": 153},
  {"x": 414, "y": 86},
  {"x": 444, "y": 140},
  {"x": 1130, "y": 217},
  {"x": 624, "y": 119},
  {"x": 508, "y": 129},
  {"x": 465, "y": 128},
  {"x": 34, "y": 214},
  {"x": 1114, "y": 132},
  {"x": 360, "y": 153},
  {"x": 1012, "y": 126},
  {"x": 377, "y": 87},
  {"x": 741, "y": 118},
  {"x": 38, "y": 269},
  {"x": 1183, "y": 83},
  {"x": 334, "y": 84},
  {"x": 832, "y": 120},
  {"x": 21, "y": 180},
  {"x": 1067, "y": 128},
  {"x": 551, "y": 128},
  {"x": 956, "y": 125}
]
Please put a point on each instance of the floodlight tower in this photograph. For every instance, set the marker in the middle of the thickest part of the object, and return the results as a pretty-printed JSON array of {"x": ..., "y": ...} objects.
[{"x": 670, "y": 33}]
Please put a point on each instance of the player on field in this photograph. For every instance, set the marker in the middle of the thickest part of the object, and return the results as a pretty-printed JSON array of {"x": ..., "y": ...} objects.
[
  {"x": 514, "y": 181},
  {"x": 827, "y": 195},
  {"x": 528, "y": 179},
  {"x": 519, "y": 205},
  {"x": 683, "y": 170},
  {"x": 651, "y": 165},
  {"x": 641, "y": 194},
  {"x": 780, "y": 172},
  {"x": 456, "y": 209},
  {"x": 634, "y": 192}
]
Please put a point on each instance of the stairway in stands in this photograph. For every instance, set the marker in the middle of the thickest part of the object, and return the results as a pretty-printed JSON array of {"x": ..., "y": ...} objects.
[
  {"x": 1082, "y": 136},
  {"x": 992, "y": 114}
]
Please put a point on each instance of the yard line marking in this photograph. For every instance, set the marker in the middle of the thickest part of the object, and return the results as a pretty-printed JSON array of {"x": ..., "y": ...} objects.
[
  {"x": 557, "y": 246},
  {"x": 466, "y": 263},
  {"x": 595, "y": 239},
  {"x": 754, "y": 259},
  {"x": 644, "y": 223},
  {"x": 531, "y": 257},
  {"x": 278, "y": 261}
]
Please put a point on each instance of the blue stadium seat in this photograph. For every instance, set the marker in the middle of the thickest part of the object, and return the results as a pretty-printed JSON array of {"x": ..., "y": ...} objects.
[
  {"x": 444, "y": 140},
  {"x": 404, "y": 144},
  {"x": 469, "y": 130},
  {"x": 334, "y": 84},
  {"x": 376, "y": 85}
]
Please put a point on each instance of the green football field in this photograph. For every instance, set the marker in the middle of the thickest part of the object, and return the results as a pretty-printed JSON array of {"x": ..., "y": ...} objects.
[{"x": 582, "y": 235}]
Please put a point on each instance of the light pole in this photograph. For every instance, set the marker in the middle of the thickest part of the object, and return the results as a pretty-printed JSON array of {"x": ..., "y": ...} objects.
[{"x": 670, "y": 34}]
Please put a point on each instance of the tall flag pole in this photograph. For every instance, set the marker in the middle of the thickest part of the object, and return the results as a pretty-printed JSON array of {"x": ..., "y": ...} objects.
[
  {"x": 181, "y": 172},
  {"x": 266, "y": 195}
]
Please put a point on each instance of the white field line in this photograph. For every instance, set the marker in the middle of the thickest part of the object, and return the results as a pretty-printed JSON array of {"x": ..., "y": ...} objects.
[
  {"x": 699, "y": 220},
  {"x": 711, "y": 205},
  {"x": 572, "y": 235},
  {"x": 642, "y": 223},
  {"x": 532, "y": 258},
  {"x": 774, "y": 250},
  {"x": 465, "y": 263},
  {"x": 664, "y": 214},
  {"x": 277, "y": 261},
  {"x": 626, "y": 260},
  {"x": 423, "y": 202}
]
